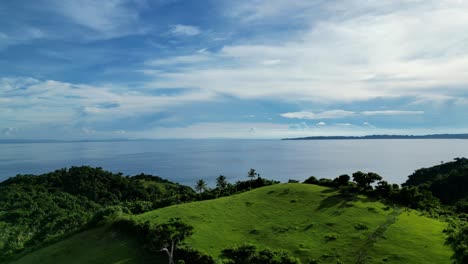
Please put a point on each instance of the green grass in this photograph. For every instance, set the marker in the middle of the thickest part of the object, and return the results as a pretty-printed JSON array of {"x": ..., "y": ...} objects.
[
  {"x": 96, "y": 246},
  {"x": 299, "y": 218},
  {"x": 309, "y": 221},
  {"x": 412, "y": 238}
]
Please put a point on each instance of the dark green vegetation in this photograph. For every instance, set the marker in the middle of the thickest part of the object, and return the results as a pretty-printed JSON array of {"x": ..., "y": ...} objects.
[
  {"x": 448, "y": 182},
  {"x": 95, "y": 246},
  {"x": 350, "y": 219},
  {"x": 37, "y": 209},
  {"x": 41, "y": 209}
]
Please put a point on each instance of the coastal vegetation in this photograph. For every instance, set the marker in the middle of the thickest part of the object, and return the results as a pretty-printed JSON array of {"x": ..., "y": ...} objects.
[{"x": 145, "y": 219}]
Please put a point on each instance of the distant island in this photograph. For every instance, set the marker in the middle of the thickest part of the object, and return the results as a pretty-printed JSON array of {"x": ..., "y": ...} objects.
[{"x": 434, "y": 136}]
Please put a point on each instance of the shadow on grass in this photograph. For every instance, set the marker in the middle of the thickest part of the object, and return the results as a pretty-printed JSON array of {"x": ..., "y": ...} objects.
[
  {"x": 342, "y": 201},
  {"x": 328, "y": 190}
]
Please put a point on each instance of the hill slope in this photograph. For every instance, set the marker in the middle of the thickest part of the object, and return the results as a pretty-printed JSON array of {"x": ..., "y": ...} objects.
[
  {"x": 100, "y": 245},
  {"x": 309, "y": 221},
  {"x": 305, "y": 220}
]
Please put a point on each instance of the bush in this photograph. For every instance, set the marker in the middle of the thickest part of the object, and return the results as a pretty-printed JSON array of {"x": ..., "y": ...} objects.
[
  {"x": 248, "y": 254},
  {"x": 330, "y": 237},
  {"x": 360, "y": 226},
  {"x": 312, "y": 180}
]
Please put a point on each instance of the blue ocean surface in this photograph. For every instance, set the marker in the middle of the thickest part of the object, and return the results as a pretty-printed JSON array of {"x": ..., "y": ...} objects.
[{"x": 186, "y": 161}]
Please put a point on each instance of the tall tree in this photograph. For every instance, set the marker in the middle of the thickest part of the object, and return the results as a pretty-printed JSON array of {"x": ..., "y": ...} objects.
[
  {"x": 169, "y": 234},
  {"x": 200, "y": 186},
  {"x": 221, "y": 182},
  {"x": 252, "y": 174}
]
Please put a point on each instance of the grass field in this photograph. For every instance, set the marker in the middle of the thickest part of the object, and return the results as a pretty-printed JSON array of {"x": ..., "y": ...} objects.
[
  {"x": 97, "y": 246},
  {"x": 305, "y": 220},
  {"x": 309, "y": 221}
]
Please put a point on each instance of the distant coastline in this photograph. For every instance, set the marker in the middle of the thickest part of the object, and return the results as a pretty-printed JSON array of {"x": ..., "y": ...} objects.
[{"x": 434, "y": 136}]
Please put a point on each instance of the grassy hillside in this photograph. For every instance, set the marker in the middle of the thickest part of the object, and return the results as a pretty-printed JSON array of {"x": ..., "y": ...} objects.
[
  {"x": 97, "y": 246},
  {"x": 309, "y": 221}
]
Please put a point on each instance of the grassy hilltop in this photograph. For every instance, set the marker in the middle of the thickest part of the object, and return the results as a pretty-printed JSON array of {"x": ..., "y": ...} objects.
[{"x": 308, "y": 221}]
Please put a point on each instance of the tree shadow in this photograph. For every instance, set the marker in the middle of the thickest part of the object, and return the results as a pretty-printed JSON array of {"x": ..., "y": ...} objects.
[
  {"x": 331, "y": 201},
  {"x": 342, "y": 201},
  {"x": 329, "y": 190}
]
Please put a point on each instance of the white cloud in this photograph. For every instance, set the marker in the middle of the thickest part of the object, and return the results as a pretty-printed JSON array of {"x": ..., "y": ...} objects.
[
  {"x": 187, "y": 59},
  {"x": 184, "y": 30},
  {"x": 33, "y": 101},
  {"x": 108, "y": 18},
  {"x": 373, "y": 51},
  {"x": 321, "y": 124},
  {"x": 336, "y": 114},
  {"x": 391, "y": 112},
  {"x": 332, "y": 114}
]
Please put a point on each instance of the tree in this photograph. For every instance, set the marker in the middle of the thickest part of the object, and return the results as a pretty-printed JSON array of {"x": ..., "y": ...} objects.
[
  {"x": 311, "y": 180},
  {"x": 383, "y": 189},
  {"x": 252, "y": 174},
  {"x": 168, "y": 235},
  {"x": 200, "y": 186},
  {"x": 221, "y": 182},
  {"x": 342, "y": 180},
  {"x": 364, "y": 180}
]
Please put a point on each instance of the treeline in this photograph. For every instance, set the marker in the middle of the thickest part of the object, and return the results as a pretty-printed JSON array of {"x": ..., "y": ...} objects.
[
  {"x": 439, "y": 191},
  {"x": 36, "y": 209},
  {"x": 225, "y": 188}
]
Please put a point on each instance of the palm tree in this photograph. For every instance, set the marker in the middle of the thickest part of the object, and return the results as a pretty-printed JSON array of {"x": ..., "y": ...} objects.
[
  {"x": 252, "y": 174},
  {"x": 200, "y": 186},
  {"x": 221, "y": 182}
]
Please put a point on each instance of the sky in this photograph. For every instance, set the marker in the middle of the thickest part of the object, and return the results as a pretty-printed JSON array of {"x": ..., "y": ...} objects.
[{"x": 83, "y": 69}]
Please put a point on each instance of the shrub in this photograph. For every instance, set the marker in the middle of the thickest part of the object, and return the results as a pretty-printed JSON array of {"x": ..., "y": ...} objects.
[{"x": 330, "y": 237}]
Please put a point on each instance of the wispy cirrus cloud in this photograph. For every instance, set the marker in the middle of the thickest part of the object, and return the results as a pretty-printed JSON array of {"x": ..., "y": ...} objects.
[
  {"x": 184, "y": 30},
  {"x": 374, "y": 51},
  {"x": 337, "y": 114},
  {"x": 332, "y": 114},
  {"x": 390, "y": 112},
  {"x": 32, "y": 102}
]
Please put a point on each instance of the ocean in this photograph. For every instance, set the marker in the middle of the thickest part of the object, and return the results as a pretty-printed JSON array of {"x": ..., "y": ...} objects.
[{"x": 186, "y": 161}]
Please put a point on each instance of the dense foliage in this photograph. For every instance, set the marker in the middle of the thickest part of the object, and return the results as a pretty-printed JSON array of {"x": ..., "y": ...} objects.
[
  {"x": 249, "y": 254},
  {"x": 35, "y": 209},
  {"x": 448, "y": 182},
  {"x": 164, "y": 238}
]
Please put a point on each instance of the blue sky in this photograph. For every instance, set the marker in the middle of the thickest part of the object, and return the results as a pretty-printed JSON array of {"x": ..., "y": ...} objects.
[{"x": 232, "y": 69}]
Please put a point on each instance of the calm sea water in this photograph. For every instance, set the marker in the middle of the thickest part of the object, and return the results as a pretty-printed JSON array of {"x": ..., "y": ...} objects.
[{"x": 185, "y": 161}]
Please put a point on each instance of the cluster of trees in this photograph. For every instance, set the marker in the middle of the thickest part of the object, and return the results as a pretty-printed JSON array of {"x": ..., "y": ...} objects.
[
  {"x": 458, "y": 238},
  {"x": 372, "y": 184},
  {"x": 225, "y": 188},
  {"x": 440, "y": 190},
  {"x": 448, "y": 182},
  {"x": 250, "y": 254},
  {"x": 167, "y": 239},
  {"x": 36, "y": 209}
]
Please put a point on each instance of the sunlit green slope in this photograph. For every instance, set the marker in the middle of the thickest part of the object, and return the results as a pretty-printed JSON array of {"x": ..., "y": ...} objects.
[
  {"x": 309, "y": 221},
  {"x": 312, "y": 222}
]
